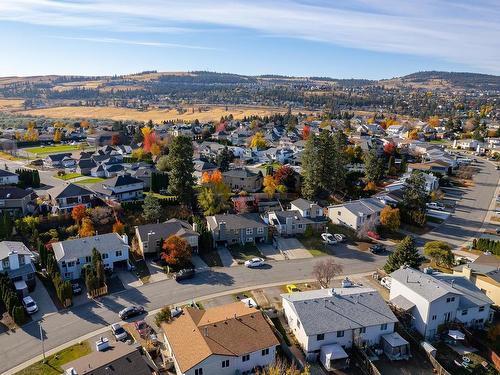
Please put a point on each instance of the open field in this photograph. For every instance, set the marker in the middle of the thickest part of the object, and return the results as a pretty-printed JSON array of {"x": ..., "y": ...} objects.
[
  {"x": 11, "y": 104},
  {"x": 213, "y": 113},
  {"x": 52, "y": 149}
]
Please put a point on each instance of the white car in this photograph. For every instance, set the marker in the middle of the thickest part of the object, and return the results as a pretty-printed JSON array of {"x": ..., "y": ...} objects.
[
  {"x": 118, "y": 331},
  {"x": 435, "y": 206},
  {"x": 30, "y": 305},
  {"x": 254, "y": 262},
  {"x": 386, "y": 282},
  {"x": 339, "y": 237},
  {"x": 328, "y": 238}
]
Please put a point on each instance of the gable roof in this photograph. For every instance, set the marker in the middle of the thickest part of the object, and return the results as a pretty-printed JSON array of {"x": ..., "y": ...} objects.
[
  {"x": 69, "y": 190},
  {"x": 230, "y": 330},
  {"x": 164, "y": 230},
  {"x": 339, "y": 309},
  {"x": 249, "y": 220},
  {"x": 4, "y": 173},
  {"x": 366, "y": 206},
  {"x": 81, "y": 247},
  {"x": 471, "y": 295},
  {"x": 302, "y": 204},
  {"x": 241, "y": 173},
  {"x": 13, "y": 192},
  {"x": 6, "y": 247}
]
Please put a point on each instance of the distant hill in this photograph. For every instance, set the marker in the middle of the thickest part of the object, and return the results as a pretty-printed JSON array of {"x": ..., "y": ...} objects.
[{"x": 445, "y": 80}]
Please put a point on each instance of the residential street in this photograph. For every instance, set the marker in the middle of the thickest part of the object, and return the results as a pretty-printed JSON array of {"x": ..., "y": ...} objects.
[{"x": 59, "y": 328}]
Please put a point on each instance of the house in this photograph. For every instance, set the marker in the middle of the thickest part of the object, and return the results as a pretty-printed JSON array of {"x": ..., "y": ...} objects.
[
  {"x": 201, "y": 167},
  {"x": 431, "y": 183},
  {"x": 145, "y": 174},
  {"x": 64, "y": 197},
  {"x": 120, "y": 188},
  {"x": 224, "y": 340},
  {"x": 303, "y": 214},
  {"x": 16, "y": 261},
  {"x": 325, "y": 322},
  {"x": 396, "y": 130},
  {"x": 8, "y": 178},
  {"x": 355, "y": 214},
  {"x": 230, "y": 229},
  {"x": 120, "y": 358},
  {"x": 72, "y": 255},
  {"x": 243, "y": 179},
  {"x": 465, "y": 144},
  {"x": 150, "y": 236},
  {"x": 435, "y": 166},
  {"x": 56, "y": 160},
  {"x": 16, "y": 201},
  {"x": 433, "y": 300},
  {"x": 85, "y": 166},
  {"x": 484, "y": 273}
]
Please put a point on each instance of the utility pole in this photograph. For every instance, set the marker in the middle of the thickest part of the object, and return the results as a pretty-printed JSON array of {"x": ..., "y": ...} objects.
[{"x": 41, "y": 338}]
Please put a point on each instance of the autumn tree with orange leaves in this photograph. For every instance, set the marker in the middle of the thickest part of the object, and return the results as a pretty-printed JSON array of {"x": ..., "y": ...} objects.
[
  {"x": 149, "y": 138},
  {"x": 118, "y": 227},
  {"x": 86, "y": 228},
  {"x": 215, "y": 194},
  {"x": 306, "y": 132},
  {"x": 78, "y": 213},
  {"x": 176, "y": 251}
]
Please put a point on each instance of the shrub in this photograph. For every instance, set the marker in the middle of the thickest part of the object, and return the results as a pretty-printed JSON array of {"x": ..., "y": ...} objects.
[{"x": 163, "y": 316}]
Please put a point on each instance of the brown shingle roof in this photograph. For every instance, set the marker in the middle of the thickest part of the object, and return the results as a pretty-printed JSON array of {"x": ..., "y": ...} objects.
[{"x": 232, "y": 330}]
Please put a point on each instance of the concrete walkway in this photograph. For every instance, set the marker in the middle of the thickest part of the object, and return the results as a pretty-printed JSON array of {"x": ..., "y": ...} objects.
[{"x": 226, "y": 257}]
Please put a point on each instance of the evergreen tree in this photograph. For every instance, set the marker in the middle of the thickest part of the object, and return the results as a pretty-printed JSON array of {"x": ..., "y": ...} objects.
[
  {"x": 413, "y": 205},
  {"x": 223, "y": 159},
  {"x": 180, "y": 175},
  {"x": 374, "y": 166},
  {"x": 152, "y": 210},
  {"x": 406, "y": 253}
]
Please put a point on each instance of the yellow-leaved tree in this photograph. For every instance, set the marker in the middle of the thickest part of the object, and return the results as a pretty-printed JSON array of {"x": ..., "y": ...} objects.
[{"x": 258, "y": 141}]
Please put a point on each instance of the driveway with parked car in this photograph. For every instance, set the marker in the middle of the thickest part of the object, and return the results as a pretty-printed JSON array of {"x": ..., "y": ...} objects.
[{"x": 43, "y": 301}]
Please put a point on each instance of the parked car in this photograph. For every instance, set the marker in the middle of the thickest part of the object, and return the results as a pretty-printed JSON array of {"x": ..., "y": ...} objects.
[
  {"x": 377, "y": 249},
  {"x": 184, "y": 274},
  {"x": 290, "y": 288},
  {"x": 328, "y": 238},
  {"x": 386, "y": 282},
  {"x": 77, "y": 289},
  {"x": 119, "y": 332},
  {"x": 142, "y": 328},
  {"x": 339, "y": 237},
  {"x": 435, "y": 206},
  {"x": 373, "y": 235},
  {"x": 175, "y": 312},
  {"x": 131, "y": 311},
  {"x": 30, "y": 305},
  {"x": 254, "y": 262},
  {"x": 498, "y": 230}
]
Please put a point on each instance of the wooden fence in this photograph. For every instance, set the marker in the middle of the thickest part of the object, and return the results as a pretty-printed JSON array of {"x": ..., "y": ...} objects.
[
  {"x": 98, "y": 292},
  {"x": 365, "y": 363}
]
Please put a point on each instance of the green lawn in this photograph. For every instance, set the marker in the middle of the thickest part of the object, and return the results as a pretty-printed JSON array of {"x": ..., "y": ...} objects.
[
  {"x": 55, "y": 361},
  {"x": 158, "y": 195},
  {"x": 92, "y": 180},
  {"x": 314, "y": 245},
  {"x": 68, "y": 176},
  {"x": 241, "y": 253},
  {"x": 52, "y": 149}
]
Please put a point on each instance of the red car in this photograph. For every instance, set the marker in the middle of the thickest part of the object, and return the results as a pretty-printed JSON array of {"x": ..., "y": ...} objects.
[
  {"x": 142, "y": 328},
  {"x": 373, "y": 235}
]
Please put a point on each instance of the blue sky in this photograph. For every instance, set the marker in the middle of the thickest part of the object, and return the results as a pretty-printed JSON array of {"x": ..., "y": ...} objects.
[{"x": 337, "y": 38}]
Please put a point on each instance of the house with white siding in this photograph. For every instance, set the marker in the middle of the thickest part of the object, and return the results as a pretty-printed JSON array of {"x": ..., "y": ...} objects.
[
  {"x": 435, "y": 299},
  {"x": 355, "y": 214}
]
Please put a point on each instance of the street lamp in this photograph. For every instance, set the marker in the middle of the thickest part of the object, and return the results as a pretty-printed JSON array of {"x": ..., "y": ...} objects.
[{"x": 41, "y": 338}]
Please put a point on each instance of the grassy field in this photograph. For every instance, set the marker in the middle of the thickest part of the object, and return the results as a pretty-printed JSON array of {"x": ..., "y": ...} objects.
[
  {"x": 11, "y": 104},
  {"x": 91, "y": 180},
  {"x": 53, "y": 365},
  {"x": 314, "y": 245},
  {"x": 209, "y": 113},
  {"x": 68, "y": 176},
  {"x": 51, "y": 149},
  {"x": 7, "y": 156}
]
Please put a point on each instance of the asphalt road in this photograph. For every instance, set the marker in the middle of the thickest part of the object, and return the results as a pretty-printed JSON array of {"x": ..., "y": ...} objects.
[{"x": 62, "y": 327}]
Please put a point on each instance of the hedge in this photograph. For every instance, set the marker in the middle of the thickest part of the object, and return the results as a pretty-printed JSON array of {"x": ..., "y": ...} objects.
[{"x": 486, "y": 244}]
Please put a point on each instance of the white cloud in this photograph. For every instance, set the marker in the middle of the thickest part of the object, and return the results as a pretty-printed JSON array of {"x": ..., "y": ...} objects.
[{"x": 458, "y": 31}]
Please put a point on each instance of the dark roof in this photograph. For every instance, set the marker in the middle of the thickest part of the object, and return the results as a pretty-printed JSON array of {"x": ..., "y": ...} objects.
[
  {"x": 70, "y": 190},
  {"x": 13, "y": 192},
  {"x": 86, "y": 163},
  {"x": 121, "y": 180},
  {"x": 233, "y": 221},
  {"x": 241, "y": 173},
  {"x": 58, "y": 157},
  {"x": 4, "y": 173},
  {"x": 164, "y": 230}
]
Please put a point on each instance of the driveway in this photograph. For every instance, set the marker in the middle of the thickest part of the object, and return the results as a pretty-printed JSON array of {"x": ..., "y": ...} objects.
[
  {"x": 226, "y": 257},
  {"x": 156, "y": 272},
  {"x": 43, "y": 301},
  {"x": 128, "y": 279},
  {"x": 198, "y": 263},
  {"x": 292, "y": 248},
  {"x": 270, "y": 251}
]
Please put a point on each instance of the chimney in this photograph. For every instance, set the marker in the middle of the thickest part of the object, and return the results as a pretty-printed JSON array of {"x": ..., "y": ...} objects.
[
  {"x": 452, "y": 282},
  {"x": 206, "y": 331}
]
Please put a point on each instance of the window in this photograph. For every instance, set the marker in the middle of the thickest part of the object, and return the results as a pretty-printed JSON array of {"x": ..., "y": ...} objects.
[
  {"x": 88, "y": 259},
  {"x": 68, "y": 275},
  {"x": 260, "y": 230},
  {"x": 70, "y": 264},
  {"x": 198, "y": 371},
  {"x": 225, "y": 363},
  {"x": 464, "y": 312},
  {"x": 320, "y": 337},
  {"x": 249, "y": 230},
  {"x": 265, "y": 351},
  {"x": 452, "y": 299},
  {"x": 362, "y": 330},
  {"x": 118, "y": 253},
  {"x": 340, "y": 333},
  {"x": 249, "y": 239},
  {"x": 481, "y": 308},
  {"x": 434, "y": 317},
  {"x": 300, "y": 226},
  {"x": 22, "y": 260},
  {"x": 448, "y": 300},
  {"x": 245, "y": 358},
  {"x": 5, "y": 263},
  {"x": 339, "y": 213},
  {"x": 105, "y": 256},
  {"x": 383, "y": 327}
]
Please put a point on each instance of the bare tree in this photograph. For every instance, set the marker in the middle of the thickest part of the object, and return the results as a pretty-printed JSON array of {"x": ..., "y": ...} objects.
[{"x": 325, "y": 270}]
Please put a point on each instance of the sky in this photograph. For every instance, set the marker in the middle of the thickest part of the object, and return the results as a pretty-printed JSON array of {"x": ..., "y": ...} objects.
[{"x": 371, "y": 39}]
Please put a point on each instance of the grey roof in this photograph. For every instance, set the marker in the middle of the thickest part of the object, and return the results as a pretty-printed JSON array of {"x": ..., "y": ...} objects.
[
  {"x": 402, "y": 302},
  {"x": 81, "y": 247},
  {"x": 423, "y": 284},
  {"x": 471, "y": 295},
  {"x": 302, "y": 203},
  {"x": 6, "y": 247},
  {"x": 13, "y": 192},
  {"x": 365, "y": 206},
  {"x": 58, "y": 157},
  {"x": 297, "y": 217},
  {"x": 321, "y": 311},
  {"x": 86, "y": 163},
  {"x": 4, "y": 173},
  {"x": 164, "y": 230},
  {"x": 236, "y": 221},
  {"x": 241, "y": 173},
  {"x": 69, "y": 190},
  {"x": 23, "y": 270},
  {"x": 488, "y": 265}
]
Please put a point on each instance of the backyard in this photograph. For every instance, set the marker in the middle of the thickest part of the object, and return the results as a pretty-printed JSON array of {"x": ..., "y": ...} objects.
[{"x": 52, "y": 149}]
